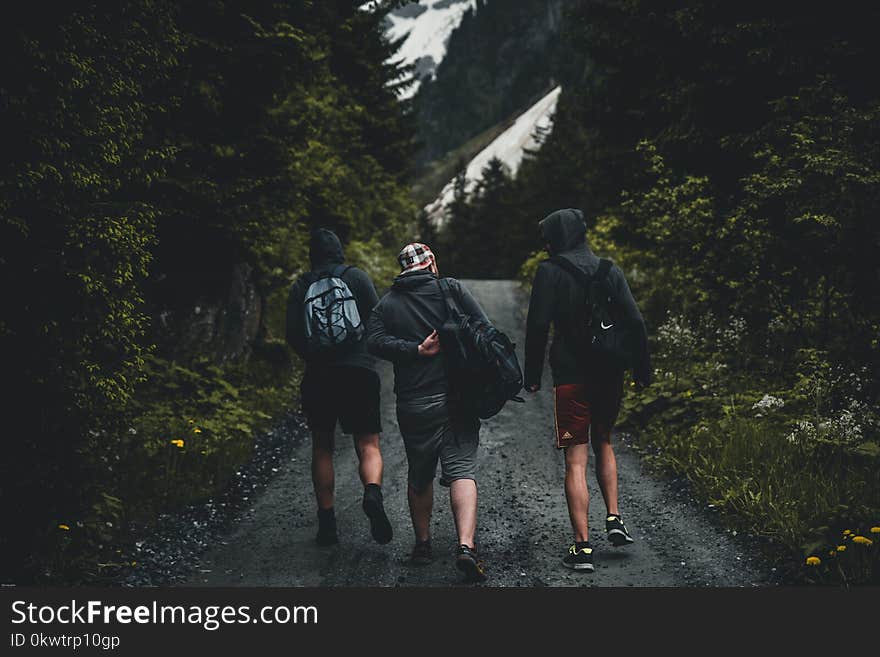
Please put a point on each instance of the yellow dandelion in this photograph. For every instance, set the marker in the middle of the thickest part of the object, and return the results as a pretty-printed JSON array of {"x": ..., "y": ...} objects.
[
  {"x": 813, "y": 561},
  {"x": 64, "y": 527},
  {"x": 831, "y": 553},
  {"x": 178, "y": 442},
  {"x": 847, "y": 532},
  {"x": 197, "y": 430},
  {"x": 841, "y": 548},
  {"x": 875, "y": 530},
  {"x": 862, "y": 540},
  {"x": 191, "y": 421}
]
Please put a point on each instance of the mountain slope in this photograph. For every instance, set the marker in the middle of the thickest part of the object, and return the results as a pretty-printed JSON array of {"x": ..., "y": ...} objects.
[
  {"x": 501, "y": 57},
  {"x": 510, "y": 147},
  {"x": 426, "y": 26}
]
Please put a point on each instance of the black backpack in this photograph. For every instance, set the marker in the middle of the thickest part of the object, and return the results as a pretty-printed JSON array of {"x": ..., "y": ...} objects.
[
  {"x": 602, "y": 337},
  {"x": 481, "y": 363},
  {"x": 332, "y": 321}
]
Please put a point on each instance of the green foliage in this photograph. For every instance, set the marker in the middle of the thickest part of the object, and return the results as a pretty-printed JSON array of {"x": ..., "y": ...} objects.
[
  {"x": 729, "y": 156},
  {"x": 376, "y": 258},
  {"x": 853, "y": 559},
  {"x": 182, "y": 438},
  {"x": 153, "y": 151},
  {"x": 530, "y": 267},
  {"x": 477, "y": 238},
  {"x": 782, "y": 458}
]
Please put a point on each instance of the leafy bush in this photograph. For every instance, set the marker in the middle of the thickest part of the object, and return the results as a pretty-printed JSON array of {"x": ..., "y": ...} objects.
[
  {"x": 783, "y": 457},
  {"x": 151, "y": 151}
]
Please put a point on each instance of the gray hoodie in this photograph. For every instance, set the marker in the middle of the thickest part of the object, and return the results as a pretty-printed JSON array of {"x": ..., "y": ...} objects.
[
  {"x": 555, "y": 293},
  {"x": 412, "y": 309}
]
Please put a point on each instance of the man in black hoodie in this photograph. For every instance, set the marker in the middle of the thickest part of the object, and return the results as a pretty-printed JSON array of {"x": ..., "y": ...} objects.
[
  {"x": 342, "y": 386},
  {"x": 403, "y": 330},
  {"x": 587, "y": 394}
]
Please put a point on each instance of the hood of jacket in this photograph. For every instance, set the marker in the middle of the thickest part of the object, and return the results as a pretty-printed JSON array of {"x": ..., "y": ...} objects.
[
  {"x": 325, "y": 249},
  {"x": 410, "y": 280},
  {"x": 564, "y": 230}
]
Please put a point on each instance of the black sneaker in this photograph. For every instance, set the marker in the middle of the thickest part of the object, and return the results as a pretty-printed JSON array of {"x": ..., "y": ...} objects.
[
  {"x": 422, "y": 554},
  {"x": 616, "y": 531},
  {"x": 380, "y": 527},
  {"x": 579, "y": 557},
  {"x": 326, "y": 528},
  {"x": 468, "y": 563}
]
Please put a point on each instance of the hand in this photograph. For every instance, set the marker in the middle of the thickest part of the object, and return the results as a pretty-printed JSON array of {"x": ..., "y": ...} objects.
[
  {"x": 534, "y": 387},
  {"x": 431, "y": 345}
]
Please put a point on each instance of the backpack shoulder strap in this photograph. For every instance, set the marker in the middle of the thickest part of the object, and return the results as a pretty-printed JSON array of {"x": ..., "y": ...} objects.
[
  {"x": 448, "y": 297},
  {"x": 601, "y": 277},
  {"x": 339, "y": 270},
  {"x": 580, "y": 276},
  {"x": 308, "y": 278}
]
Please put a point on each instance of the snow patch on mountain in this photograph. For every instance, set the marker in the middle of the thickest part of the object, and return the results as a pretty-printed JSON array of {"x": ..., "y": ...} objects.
[
  {"x": 509, "y": 147},
  {"x": 427, "y": 26}
]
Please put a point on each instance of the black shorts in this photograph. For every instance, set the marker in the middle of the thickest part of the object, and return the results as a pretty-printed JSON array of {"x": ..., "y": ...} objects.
[{"x": 349, "y": 395}]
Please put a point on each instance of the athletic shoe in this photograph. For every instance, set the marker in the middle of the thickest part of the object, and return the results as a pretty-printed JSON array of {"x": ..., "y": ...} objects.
[
  {"x": 468, "y": 563},
  {"x": 422, "y": 554},
  {"x": 380, "y": 528},
  {"x": 326, "y": 528},
  {"x": 579, "y": 557},
  {"x": 616, "y": 531}
]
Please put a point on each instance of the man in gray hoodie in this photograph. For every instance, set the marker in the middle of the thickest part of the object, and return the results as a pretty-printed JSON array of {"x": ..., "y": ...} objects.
[
  {"x": 340, "y": 386},
  {"x": 403, "y": 329},
  {"x": 587, "y": 392}
]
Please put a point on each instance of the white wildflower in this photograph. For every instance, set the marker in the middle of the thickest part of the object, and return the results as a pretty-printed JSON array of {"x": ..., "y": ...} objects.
[{"x": 767, "y": 403}]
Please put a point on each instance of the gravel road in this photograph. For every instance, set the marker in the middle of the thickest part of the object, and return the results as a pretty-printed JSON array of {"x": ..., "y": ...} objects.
[{"x": 523, "y": 524}]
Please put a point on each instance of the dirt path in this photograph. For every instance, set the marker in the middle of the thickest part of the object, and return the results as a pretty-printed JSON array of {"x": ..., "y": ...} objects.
[{"x": 523, "y": 525}]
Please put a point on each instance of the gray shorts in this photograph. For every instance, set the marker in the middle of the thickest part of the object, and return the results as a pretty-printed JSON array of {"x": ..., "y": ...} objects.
[{"x": 430, "y": 435}]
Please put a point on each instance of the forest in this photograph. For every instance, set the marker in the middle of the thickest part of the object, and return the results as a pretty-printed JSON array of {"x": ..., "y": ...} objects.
[
  {"x": 728, "y": 158},
  {"x": 164, "y": 162},
  {"x": 162, "y": 165}
]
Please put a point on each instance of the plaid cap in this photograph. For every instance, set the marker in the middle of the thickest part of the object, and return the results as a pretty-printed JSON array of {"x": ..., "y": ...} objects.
[{"x": 415, "y": 256}]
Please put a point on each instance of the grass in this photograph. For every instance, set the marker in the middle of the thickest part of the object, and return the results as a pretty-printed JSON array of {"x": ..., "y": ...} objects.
[
  {"x": 801, "y": 495},
  {"x": 190, "y": 428}
]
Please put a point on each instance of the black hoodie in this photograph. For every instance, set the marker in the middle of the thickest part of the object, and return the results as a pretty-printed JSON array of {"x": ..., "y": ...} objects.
[
  {"x": 412, "y": 309},
  {"x": 325, "y": 252},
  {"x": 555, "y": 293}
]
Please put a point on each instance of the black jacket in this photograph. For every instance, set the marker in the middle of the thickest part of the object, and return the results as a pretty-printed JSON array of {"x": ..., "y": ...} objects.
[
  {"x": 325, "y": 253},
  {"x": 412, "y": 309},
  {"x": 555, "y": 293}
]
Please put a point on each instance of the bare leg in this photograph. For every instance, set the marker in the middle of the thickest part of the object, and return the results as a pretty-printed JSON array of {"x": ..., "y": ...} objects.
[
  {"x": 421, "y": 504},
  {"x": 370, "y": 468},
  {"x": 463, "y": 497},
  {"x": 322, "y": 468},
  {"x": 576, "y": 493},
  {"x": 606, "y": 469}
]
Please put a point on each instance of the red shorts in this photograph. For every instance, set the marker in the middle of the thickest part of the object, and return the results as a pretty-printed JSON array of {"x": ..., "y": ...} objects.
[{"x": 582, "y": 407}]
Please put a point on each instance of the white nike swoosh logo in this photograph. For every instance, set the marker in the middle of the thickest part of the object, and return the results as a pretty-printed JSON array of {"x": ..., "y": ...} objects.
[{"x": 602, "y": 324}]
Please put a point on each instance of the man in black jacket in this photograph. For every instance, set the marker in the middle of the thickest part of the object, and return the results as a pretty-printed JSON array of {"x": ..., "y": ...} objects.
[
  {"x": 342, "y": 386},
  {"x": 403, "y": 329},
  {"x": 587, "y": 394}
]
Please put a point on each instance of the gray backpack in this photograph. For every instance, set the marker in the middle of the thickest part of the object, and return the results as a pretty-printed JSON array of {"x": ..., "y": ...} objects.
[{"x": 332, "y": 320}]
